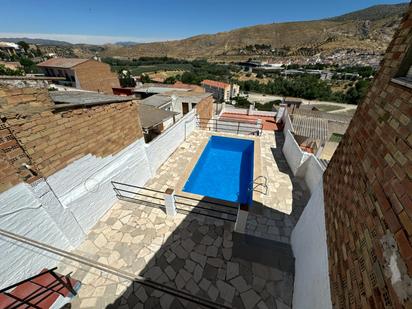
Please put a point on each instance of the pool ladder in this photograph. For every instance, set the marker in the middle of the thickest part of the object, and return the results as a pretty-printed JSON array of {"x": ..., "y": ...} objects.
[{"x": 253, "y": 185}]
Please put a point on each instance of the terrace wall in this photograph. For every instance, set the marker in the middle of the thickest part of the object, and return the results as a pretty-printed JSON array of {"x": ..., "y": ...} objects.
[
  {"x": 308, "y": 239},
  {"x": 368, "y": 193},
  {"x": 71, "y": 155}
]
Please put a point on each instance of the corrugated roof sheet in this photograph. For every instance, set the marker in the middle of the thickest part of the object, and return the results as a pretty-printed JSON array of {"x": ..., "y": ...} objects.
[
  {"x": 315, "y": 128},
  {"x": 64, "y": 63}
]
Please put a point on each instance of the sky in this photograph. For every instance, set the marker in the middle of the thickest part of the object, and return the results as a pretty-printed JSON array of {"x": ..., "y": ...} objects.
[{"x": 108, "y": 21}]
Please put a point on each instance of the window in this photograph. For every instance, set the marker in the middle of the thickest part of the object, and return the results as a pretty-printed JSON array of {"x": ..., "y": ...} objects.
[{"x": 404, "y": 75}]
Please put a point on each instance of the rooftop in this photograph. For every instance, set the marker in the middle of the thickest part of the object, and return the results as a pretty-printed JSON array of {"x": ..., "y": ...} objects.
[
  {"x": 157, "y": 100},
  {"x": 315, "y": 128},
  {"x": 214, "y": 83},
  {"x": 64, "y": 63},
  {"x": 151, "y": 116},
  {"x": 85, "y": 98},
  {"x": 153, "y": 88}
]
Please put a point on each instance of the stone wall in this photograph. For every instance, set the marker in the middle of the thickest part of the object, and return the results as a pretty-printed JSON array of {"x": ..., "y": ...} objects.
[
  {"x": 96, "y": 76},
  {"x": 368, "y": 194}
]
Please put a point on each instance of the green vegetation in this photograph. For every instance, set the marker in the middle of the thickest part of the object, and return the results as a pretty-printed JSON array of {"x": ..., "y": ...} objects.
[
  {"x": 193, "y": 71},
  {"x": 243, "y": 102},
  {"x": 10, "y": 72},
  {"x": 307, "y": 87},
  {"x": 363, "y": 71},
  {"x": 126, "y": 79},
  {"x": 24, "y": 56},
  {"x": 336, "y": 137}
]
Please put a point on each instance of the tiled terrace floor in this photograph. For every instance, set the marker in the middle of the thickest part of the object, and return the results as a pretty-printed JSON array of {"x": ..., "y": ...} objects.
[{"x": 194, "y": 253}]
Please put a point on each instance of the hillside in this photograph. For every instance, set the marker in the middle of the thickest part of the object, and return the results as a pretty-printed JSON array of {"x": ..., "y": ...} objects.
[
  {"x": 37, "y": 41},
  {"x": 368, "y": 30}
]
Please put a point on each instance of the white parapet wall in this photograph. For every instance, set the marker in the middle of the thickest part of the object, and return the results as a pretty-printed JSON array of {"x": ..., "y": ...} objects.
[
  {"x": 61, "y": 209},
  {"x": 308, "y": 239},
  {"x": 159, "y": 149},
  {"x": 292, "y": 152},
  {"x": 302, "y": 164},
  {"x": 311, "y": 285},
  {"x": 21, "y": 212},
  {"x": 85, "y": 187}
]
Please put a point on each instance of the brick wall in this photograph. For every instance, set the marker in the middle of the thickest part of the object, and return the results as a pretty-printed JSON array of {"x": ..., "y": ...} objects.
[
  {"x": 368, "y": 194},
  {"x": 12, "y": 157},
  {"x": 51, "y": 139},
  {"x": 205, "y": 109},
  {"x": 96, "y": 76},
  {"x": 12, "y": 98}
]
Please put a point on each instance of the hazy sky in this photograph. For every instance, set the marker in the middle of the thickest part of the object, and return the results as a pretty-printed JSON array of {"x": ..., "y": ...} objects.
[{"x": 103, "y": 21}]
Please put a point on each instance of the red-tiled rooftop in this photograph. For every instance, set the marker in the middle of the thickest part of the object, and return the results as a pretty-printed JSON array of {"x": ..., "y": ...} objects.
[
  {"x": 269, "y": 123},
  {"x": 214, "y": 83}
]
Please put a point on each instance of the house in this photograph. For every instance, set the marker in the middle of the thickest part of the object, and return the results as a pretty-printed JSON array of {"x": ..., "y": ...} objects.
[
  {"x": 221, "y": 91},
  {"x": 181, "y": 102},
  {"x": 9, "y": 48},
  {"x": 86, "y": 74}
]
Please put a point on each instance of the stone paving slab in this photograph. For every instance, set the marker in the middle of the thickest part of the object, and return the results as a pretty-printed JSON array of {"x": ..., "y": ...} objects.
[{"x": 191, "y": 252}]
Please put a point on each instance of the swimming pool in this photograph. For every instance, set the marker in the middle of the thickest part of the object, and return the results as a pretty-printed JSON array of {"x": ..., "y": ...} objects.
[{"x": 224, "y": 170}]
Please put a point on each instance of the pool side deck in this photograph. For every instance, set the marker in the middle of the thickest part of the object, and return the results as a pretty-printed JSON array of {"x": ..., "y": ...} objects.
[{"x": 194, "y": 253}]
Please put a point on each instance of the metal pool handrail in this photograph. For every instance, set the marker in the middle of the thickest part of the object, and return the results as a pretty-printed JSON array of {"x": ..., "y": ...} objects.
[{"x": 265, "y": 184}]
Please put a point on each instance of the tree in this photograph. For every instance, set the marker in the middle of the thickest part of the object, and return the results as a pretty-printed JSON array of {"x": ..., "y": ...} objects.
[
  {"x": 28, "y": 65},
  {"x": 144, "y": 78},
  {"x": 170, "y": 80},
  {"x": 126, "y": 79},
  {"x": 23, "y": 45}
]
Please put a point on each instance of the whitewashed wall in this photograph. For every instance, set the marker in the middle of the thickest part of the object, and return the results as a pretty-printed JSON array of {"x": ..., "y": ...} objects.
[
  {"x": 61, "y": 210},
  {"x": 84, "y": 186},
  {"x": 302, "y": 164},
  {"x": 311, "y": 170},
  {"x": 159, "y": 149},
  {"x": 311, "y": 285},
  {"x": 292, "y": 152},
  {"x": 21, "y": 212}
]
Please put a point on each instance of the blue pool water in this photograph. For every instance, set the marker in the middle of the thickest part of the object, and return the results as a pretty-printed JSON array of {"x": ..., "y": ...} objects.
[{"x": 224, "y": 170}]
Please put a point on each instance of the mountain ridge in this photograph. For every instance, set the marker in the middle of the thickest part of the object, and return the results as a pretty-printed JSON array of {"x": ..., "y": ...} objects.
[{"x": 370, "y": 29}]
